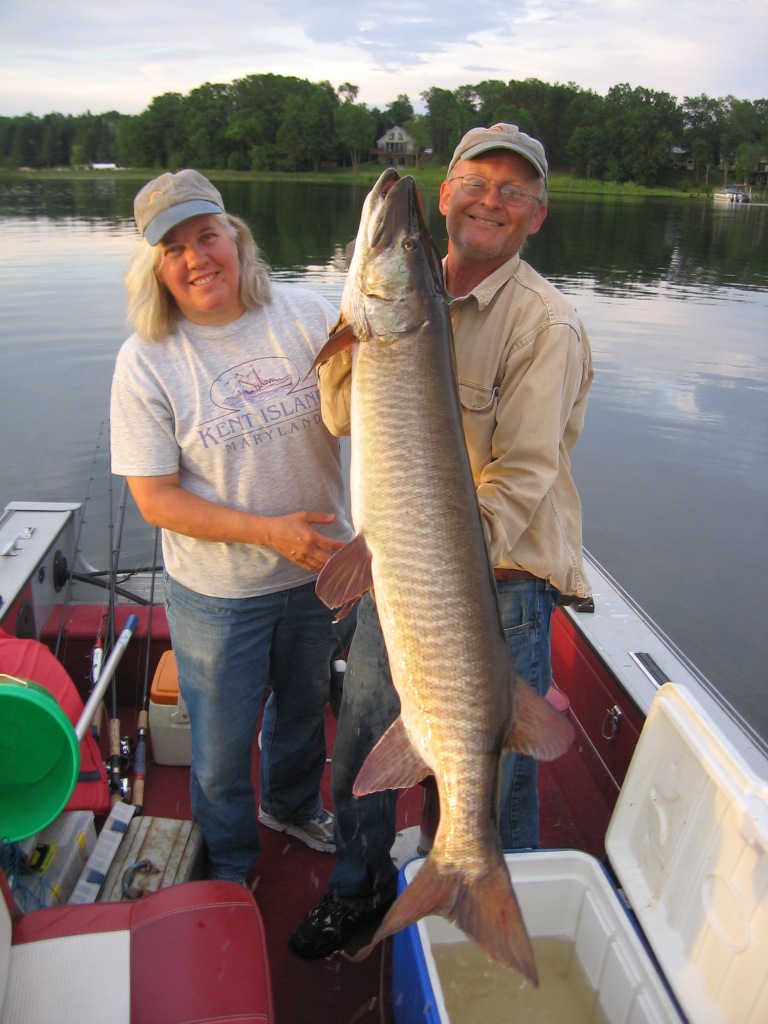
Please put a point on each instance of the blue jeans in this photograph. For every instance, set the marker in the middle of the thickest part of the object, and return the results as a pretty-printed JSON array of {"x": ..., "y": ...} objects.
[
  {"x": 227, "y": 652},
  {"x": 364, "y": 875}
]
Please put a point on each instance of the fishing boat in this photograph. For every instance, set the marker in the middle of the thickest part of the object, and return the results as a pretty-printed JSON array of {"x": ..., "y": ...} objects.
[
  {"x": 733, "y": 194},
  {"x": 612, "y": 667}
]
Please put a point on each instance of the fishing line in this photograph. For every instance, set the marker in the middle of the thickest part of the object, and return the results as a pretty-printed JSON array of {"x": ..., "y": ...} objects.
[
  {"x": 118, "y": 783},
  {"x": 140, "y": 760},
  {"x": 71, "y": 575}
]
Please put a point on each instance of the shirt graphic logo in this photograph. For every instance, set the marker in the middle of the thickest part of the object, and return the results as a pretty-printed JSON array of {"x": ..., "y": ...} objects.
[{"x": 249, "y": 384}]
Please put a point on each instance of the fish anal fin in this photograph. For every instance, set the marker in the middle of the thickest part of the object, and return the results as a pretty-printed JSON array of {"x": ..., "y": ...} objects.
[
  {"x": 538, "y": 728},
  {"x": 486, "y": 909},
  {"x": 394, "y": 763},
  {"x": 346, "y": 576}
]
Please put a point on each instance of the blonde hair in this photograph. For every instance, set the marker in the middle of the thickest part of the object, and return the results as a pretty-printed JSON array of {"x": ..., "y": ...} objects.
[{"x": 152, "y": 310}]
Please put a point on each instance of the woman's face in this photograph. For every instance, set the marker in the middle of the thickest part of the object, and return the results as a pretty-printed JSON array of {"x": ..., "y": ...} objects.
[{"x": 201, "y": 270}]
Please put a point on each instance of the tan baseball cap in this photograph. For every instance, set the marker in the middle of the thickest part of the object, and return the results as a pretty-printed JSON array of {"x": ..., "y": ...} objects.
[
  {"x": 501, "y": 136},
  {"x": 168, "y": 200}
]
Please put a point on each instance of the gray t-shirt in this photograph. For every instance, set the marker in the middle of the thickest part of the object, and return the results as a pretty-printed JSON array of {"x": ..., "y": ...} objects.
[{"x": 235, "y": 411}]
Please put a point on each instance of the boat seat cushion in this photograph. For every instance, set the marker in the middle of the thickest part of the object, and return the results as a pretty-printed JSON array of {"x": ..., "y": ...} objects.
[
  {"x": 194, "y": 952},
  {"x": 29, "y": 659}
]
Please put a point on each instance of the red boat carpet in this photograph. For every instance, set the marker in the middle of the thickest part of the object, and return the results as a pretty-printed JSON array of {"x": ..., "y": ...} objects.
[{"x": 289, "y": 878}]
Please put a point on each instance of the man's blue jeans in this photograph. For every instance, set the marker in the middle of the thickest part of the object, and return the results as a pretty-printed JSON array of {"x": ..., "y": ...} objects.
[
  {"x": 227, "y": 652},
  {"x": 364, "y": 875}
]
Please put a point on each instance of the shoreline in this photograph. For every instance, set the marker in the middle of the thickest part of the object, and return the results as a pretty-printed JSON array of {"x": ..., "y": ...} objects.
[{"x": 426, "y": 177}]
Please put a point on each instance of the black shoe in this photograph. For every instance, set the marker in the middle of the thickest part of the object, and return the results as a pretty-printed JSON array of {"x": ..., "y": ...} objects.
[{"x": 329, "y": 926}]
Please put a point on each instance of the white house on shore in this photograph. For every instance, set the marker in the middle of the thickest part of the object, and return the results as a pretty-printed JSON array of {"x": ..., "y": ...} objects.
[{"x": 396, "y": 148}]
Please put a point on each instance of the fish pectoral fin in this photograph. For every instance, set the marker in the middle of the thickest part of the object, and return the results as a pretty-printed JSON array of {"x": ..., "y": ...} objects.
[
  {"x": 485, "y": 909},
  {"x": 346, "y": 576},
  {"x": 342, "y": 336},
  {"x": 394, "y": 763},
  {"x": 537, "y": 729}
]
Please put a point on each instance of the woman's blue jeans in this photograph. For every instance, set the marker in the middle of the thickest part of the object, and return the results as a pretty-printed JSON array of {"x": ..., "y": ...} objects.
[
  {"x": 228, "y": 651},
  {"x": 364, "y": 875}
]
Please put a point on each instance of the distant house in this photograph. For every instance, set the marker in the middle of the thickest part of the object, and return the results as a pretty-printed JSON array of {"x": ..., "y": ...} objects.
[
  {"x": 761, "y": 171},
  {"x": 396, "y": 148},
  {"x": 682, "y": 159},
  {"x": 104, "y": 167}
]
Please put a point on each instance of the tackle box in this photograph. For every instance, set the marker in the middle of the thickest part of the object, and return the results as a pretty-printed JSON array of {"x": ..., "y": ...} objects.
[
  {"x": 54, "y": 860},
  {"x": 168, "y": 718},
  {"x": 685, "y": 935}
]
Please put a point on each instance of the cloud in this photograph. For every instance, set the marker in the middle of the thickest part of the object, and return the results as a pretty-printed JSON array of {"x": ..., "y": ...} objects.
[{"x": 92, "y": 55}]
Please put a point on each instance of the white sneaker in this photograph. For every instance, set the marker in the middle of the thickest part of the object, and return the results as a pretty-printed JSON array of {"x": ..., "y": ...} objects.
[{"x": 317, "y": 833}]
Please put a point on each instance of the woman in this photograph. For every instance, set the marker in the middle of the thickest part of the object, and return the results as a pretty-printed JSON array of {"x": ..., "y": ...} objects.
[{"x": 216, "y": 424}]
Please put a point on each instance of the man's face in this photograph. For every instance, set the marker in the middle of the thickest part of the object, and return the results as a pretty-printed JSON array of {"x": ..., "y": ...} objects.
[{"x": 484, "y": 228}]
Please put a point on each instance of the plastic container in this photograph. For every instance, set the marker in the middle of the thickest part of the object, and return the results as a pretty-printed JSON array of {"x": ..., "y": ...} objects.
[
  {"x": 688, "y": 842},
  {"x": 56, "y": 861},
  {"x": 39, "y": 758},
  {"x": 168, "y": 718}
]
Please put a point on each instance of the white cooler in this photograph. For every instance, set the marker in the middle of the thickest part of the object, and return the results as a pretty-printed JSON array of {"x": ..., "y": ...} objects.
[
  {"x": 168, "y": 716},
  {"x": 688, "y": 841}
]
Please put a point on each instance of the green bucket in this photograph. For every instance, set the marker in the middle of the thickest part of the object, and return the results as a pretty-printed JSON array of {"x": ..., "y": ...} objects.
[{"x": 39, "y": 758}]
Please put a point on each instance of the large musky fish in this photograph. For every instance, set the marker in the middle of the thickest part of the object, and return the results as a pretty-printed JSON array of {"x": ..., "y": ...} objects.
[{"x": 420, "y": 545}]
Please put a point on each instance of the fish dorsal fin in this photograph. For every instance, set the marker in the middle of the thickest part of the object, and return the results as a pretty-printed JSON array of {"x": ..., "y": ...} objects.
[
  {"x": 537, "y": 728},
  {"x": 394, "y": 763},
  {"x": 346, "y": 576}
]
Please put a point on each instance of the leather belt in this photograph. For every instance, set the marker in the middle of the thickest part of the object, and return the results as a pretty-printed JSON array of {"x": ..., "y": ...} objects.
[{"x": 513, "y": 574}]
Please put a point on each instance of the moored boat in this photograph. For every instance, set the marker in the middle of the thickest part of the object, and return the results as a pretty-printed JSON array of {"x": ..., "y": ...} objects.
[
  {"x": 733, "y": 194},
  {"x": 610, "y": 663}
]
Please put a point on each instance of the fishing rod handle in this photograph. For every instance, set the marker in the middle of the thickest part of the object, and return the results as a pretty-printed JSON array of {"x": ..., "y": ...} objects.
[{"x": 108, "y": 670}]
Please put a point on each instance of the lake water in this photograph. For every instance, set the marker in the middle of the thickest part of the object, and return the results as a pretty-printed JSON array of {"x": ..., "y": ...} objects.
[{"x": 673, "y": 463}]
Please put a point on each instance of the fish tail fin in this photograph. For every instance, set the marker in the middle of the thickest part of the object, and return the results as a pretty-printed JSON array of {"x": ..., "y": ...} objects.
[{"x": 485, "y": 909}]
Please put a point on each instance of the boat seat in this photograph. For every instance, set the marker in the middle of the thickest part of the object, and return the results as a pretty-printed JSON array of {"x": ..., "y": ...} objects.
[{"x": 194, "y": 952}]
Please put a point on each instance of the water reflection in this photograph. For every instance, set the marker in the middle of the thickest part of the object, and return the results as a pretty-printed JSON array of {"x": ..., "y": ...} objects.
[{"x": 673, "y": 463}]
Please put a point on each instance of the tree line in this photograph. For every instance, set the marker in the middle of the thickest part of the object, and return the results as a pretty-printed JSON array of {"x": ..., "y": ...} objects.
[{"x": 275, "y": 122}]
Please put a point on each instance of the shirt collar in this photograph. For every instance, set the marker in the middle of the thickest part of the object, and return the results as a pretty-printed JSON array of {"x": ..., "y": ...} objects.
[{"x": 484, "y": 292}]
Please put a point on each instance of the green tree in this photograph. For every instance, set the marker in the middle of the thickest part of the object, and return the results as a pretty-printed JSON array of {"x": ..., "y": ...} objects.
[
  {"x": 348, "y": 92},
  {"x": 55, "y": 141},
  {"x": 398, "y": 111},
  {"x": 355, "y": 130},
  {"x": 583, "y": 130},
  {"x": 444, "y": 119},
  {"x": 205, "y": 117},
  {"x": 418, "y": 128},
  {"x": 155, "y": 139},
  {"x": 748, "y": 155},
  {"x": 641, "y": 128},
  {"x": 257, "y": 103},
  {"x": 307, "y": 133},
  {"x": 702, "y": 117}
]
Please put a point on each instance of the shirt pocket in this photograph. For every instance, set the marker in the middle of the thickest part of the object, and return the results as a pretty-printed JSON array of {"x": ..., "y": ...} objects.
[{"x": 478, "y": 414}]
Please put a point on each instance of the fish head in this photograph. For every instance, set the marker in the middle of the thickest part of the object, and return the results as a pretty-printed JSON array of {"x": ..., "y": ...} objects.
[{"x": 395, "y": 275}]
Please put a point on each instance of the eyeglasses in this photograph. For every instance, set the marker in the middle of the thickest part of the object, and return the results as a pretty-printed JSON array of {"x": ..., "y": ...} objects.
[{"x": 476, "y": 185}]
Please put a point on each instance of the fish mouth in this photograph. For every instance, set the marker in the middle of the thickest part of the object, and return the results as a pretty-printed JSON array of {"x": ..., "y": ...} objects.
[
  {"x": 379, "y": 210},
  {"x": 394, "y": 263},
  {"x": 395, "y": 211}
]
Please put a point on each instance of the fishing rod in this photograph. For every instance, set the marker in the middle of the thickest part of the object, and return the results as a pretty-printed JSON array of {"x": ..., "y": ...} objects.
[
  {"x": 94, "y": 578},
  {"x": 140, "y": 759},
  {"x": 118, "y": 754},
  {"x": 71, "y": 575},
  {"x": 106, "y": 677}
]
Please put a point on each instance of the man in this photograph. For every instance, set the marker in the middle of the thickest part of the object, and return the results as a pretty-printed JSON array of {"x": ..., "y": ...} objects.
[{"x": 524, "y": 370}]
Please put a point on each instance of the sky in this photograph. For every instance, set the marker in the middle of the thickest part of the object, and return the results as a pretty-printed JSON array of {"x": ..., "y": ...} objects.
[{"x": 100, "y": 55}]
